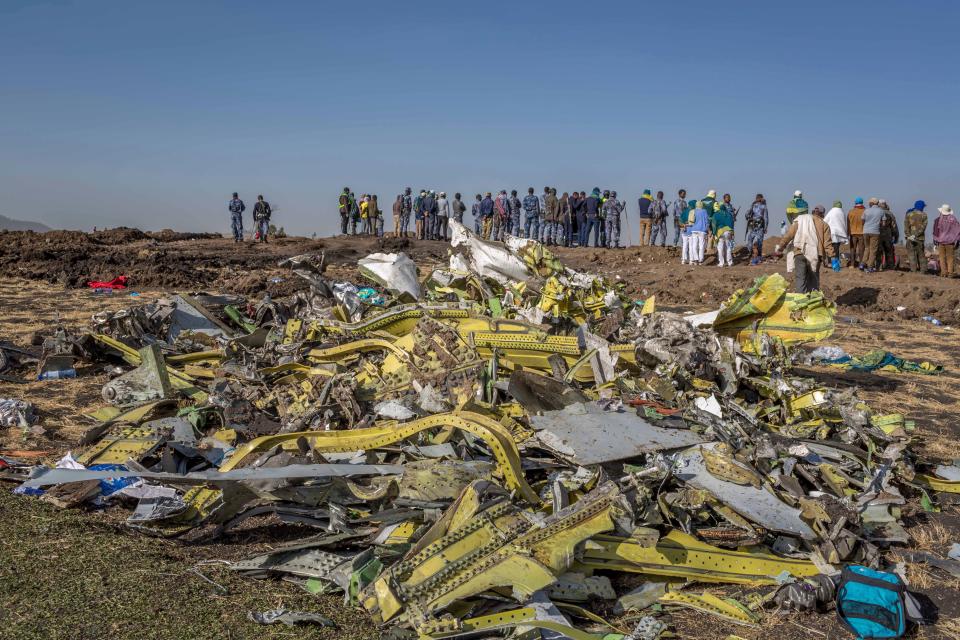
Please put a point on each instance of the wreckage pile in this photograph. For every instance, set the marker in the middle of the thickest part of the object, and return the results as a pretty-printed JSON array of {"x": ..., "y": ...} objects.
[{"x": 483, "y": 448}]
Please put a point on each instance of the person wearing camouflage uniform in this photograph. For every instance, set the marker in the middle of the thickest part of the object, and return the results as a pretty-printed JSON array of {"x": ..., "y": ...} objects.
[
  {"x": 236, "y": 208},
  {"x": 679, "y": 211},
  {"x": 611, "y": 216},
  {"x": 915, "y": 232},
  {"x": 354, "y": 214},
  {"x": 756, "y": 220},
  {"x": 658, "y": 214},
  {"x": 889, "y": 237},
  {"x": 515, "y": 206},
  {"x": 501, "y": 214},
  {"x": 531, "y": 208},
  {"x": 406, "y": 207},
  {"x": 551, "y": 215}
]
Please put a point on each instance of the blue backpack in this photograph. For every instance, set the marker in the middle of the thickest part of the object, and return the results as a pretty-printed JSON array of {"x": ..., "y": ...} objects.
[{"x": 871, "y": 603}]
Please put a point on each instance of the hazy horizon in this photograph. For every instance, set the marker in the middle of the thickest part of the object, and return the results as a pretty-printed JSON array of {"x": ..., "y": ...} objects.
[{"x": 149, "y": 116}]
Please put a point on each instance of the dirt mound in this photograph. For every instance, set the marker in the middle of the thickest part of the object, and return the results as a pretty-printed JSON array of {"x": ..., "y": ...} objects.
[
  {"x": 169, "y": 235},
  {"x": 120, "y": 235}
]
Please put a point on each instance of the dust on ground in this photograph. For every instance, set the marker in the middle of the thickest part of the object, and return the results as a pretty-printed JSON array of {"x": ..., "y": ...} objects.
[{"x": 82, "y": 574}]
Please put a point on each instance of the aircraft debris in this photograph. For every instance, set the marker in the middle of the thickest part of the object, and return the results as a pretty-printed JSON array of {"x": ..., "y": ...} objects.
[{"x": 473, "y": 445}]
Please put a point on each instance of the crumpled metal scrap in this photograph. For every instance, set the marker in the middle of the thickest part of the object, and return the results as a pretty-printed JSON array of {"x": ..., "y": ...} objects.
[{"x": 532, "y": 425}]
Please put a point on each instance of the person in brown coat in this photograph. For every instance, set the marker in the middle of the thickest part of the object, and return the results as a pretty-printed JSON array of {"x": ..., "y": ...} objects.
[
  {"x": 812, "y": 245},
  {"x": 855, "y": 232}
]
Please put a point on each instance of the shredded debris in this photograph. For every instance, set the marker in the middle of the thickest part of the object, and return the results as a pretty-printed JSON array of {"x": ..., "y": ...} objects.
[{"x": 480, "y": 448}]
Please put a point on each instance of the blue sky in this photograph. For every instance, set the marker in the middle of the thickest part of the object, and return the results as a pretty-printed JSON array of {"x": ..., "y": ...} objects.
[{"x": 149, "y": 114}]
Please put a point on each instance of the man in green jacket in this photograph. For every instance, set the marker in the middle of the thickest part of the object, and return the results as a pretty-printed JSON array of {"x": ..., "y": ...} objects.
[{"x": 915, "y": 231}]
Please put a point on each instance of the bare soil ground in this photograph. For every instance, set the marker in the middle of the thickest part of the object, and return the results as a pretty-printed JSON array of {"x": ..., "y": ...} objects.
[{"x": 81, "y": 574}]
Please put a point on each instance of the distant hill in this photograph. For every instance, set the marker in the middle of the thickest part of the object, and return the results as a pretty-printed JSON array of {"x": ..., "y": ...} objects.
[{"x": 10, "y": 224}]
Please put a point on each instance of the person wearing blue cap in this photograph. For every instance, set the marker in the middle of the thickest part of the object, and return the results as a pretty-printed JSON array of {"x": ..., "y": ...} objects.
[
  {"x": 915, "y": 231},
  {"x": 855, "y": 233}
]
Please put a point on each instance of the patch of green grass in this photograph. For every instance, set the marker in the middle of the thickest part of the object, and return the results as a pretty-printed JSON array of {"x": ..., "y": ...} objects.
[{"x": 80, "y": 574}]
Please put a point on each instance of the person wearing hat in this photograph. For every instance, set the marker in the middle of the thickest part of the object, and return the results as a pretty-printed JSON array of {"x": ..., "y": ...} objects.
[
  {"x": 946, "y": 237},
  {"x": 915, "y": 232},
  {"x": 810, "y": 237},
  {"x": 855, "y": 233},
  {"x": 551, "y": 215},
  {"x": 236, "y": 209},
  {"x": 646, "y": 217},
  {"x": 796, "y": 207},
  {"x": 836, "y": 219}
]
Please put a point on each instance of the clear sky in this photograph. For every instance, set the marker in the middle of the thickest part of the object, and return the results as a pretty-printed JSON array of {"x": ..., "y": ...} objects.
[{"x": 150, "y": 114}]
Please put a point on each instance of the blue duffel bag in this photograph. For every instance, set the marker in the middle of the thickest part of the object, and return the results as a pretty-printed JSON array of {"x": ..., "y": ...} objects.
[{"x": 871, "y": 603}]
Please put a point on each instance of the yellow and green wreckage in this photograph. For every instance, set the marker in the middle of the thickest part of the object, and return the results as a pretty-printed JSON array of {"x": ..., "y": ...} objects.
[{"x": 520, "y": 432}]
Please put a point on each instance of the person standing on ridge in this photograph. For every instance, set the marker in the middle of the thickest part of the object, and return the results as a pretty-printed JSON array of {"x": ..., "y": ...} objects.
[
  {"x": 261, "y": 217},
  {"x": 563, "y": 224},
  {"x": 946, "y": 237},
  {"x": 397, "y": 214},
  {"x": 646, "y": 220},
  {"x": 915, "y": 232},
  {"x": 757, "y": 219},
  {"x": 699, "y": 228},
  {"x": 679, "y": 211},
  {"x": 344, "y": 207},
  {"x": 477, "y": 218},
  {"x": 515, "y": 207},
  {"x": 591, "y": 216},
  {"x": 236, "y": 208},
  {"x": 889, "y": 238},
  {"x": 611, "y": 215},
  {"x": 459, "y": 208},
  {"x": 405, "y": 210},
  {"x": 531, "y": 208},
  {"x": 872, "y": 218},
  {"x": 721, "y": 227},
  {"x": 855, "y": 233},
  {"x": 658, "y": 215},
  {"x": 836, "y": 219},
  {"x": 442, "y": 218},
  {"x": 418, "y": 215},
  {"x": 552, "y": 216},
  {"x": 581, "y": 213},
  {"x": 810, "y": 237},
  {"x": 501, "y": 214},
  {"x": 486, "y": 213}
]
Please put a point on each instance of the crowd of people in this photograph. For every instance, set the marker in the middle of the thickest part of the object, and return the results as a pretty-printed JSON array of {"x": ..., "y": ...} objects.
[{"x": 863, "y": 237}]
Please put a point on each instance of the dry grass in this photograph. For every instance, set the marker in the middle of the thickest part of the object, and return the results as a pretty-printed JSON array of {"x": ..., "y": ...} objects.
[{"x": 932, "y": 537}]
